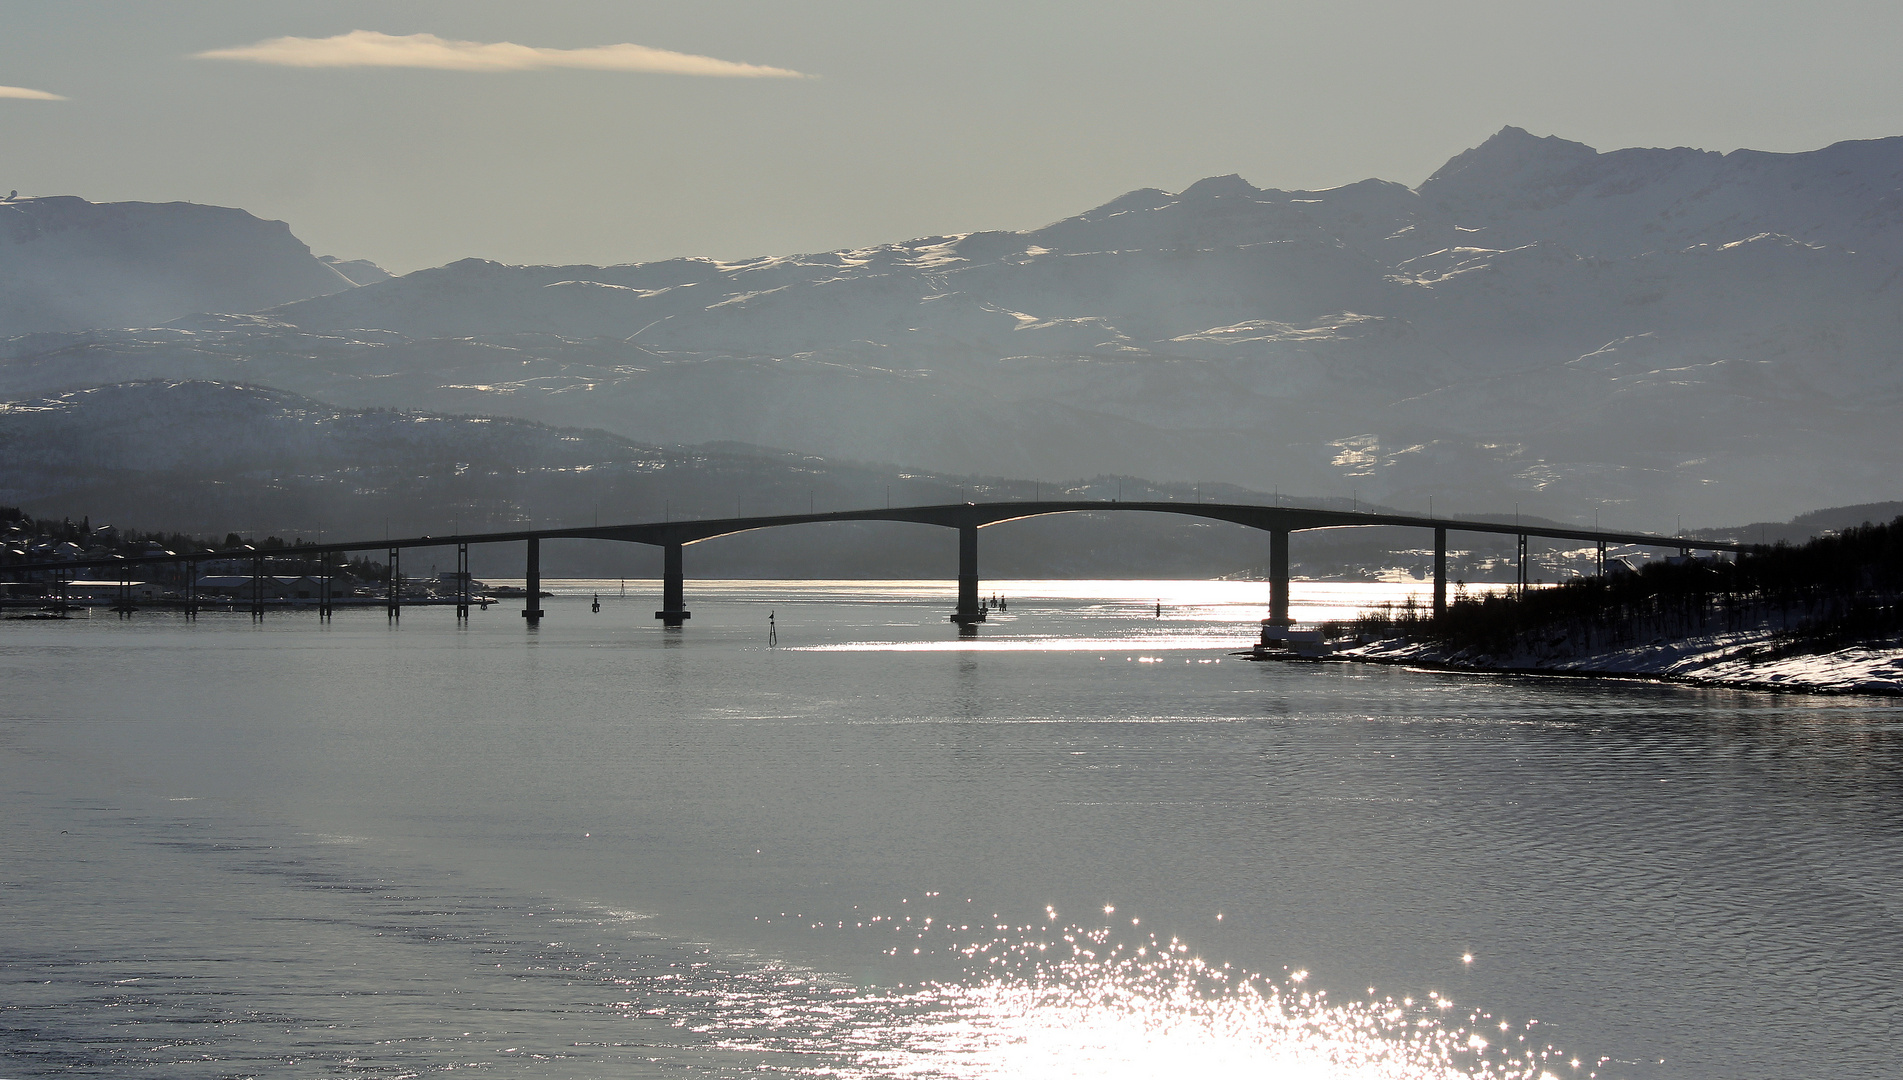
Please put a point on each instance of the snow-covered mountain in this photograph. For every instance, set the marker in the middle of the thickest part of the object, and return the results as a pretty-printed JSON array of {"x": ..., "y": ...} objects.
[
  {"x": 1643, "y": 333},
  {"x": 68, "y": 264}
]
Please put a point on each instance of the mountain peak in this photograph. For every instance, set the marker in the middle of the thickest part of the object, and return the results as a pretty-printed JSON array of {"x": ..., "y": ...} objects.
[
  {"x": 1140, "y": 199},
  {"x": 1216, "y": 186},
  {"x": 1511, "y": 157}
]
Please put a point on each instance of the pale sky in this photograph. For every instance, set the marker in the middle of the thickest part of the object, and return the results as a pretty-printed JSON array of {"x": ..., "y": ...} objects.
[{"x": 415, "y": 132}]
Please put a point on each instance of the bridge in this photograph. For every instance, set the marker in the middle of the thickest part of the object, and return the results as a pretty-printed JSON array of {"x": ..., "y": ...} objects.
[{"x": 673, "y": 537}]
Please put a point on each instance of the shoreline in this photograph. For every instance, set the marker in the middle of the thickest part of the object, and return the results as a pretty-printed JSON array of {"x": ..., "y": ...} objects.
[{"x": 1736, "y": 661}]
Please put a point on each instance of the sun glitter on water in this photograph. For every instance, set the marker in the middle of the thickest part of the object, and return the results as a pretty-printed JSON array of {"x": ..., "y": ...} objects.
[{"x": 1105, "y": 1002}]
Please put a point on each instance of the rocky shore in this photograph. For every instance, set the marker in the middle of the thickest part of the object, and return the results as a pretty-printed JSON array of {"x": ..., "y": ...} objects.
[{"x": 1753, "y": 659}]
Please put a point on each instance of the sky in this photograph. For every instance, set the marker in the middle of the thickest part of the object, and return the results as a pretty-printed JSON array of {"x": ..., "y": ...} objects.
[{"x": 417, "y": 132}]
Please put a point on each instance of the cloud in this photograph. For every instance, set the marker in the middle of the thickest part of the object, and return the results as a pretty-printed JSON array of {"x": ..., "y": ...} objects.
[
  {"x": 368, "y": 48},
  {"x": 24, "y": 94}
]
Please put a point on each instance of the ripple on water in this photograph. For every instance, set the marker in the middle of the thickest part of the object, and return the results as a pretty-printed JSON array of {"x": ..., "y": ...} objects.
[{"x": 288, "y": 960}]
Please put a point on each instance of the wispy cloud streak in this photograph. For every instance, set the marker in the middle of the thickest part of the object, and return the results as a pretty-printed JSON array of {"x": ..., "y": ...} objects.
[
  {"x": 23, "y": 94},
  {"x": 369, "y": 48}
]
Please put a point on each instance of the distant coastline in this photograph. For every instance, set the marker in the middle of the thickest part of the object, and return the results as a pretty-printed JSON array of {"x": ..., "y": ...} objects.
[
  {"x": 1825, "y": 617},
  {"x": 1750, "y": 660}
]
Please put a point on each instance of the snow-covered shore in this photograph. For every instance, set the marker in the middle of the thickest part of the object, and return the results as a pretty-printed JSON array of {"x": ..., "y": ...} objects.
[{"x": 1756, "y": 659}]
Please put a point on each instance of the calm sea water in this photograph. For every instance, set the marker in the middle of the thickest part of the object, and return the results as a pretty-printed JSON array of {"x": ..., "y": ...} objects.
[{"x": 1086, "y": 842}]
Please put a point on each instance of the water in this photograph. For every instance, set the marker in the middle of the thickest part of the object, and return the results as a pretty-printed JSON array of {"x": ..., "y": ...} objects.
[{"x": 1087, "y": 842}]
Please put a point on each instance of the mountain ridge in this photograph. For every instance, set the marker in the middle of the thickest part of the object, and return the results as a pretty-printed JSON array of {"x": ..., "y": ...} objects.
[
  {"x": 1538, "y": 323},
  {"x": 68, "y": 264}
]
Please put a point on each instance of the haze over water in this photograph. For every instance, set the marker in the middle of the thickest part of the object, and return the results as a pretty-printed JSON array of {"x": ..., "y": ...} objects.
[{"x": 1088, "y": 842}]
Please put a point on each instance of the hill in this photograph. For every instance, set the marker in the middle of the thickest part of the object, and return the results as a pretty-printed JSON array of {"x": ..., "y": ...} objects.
[{"x": 205, "y": 458}]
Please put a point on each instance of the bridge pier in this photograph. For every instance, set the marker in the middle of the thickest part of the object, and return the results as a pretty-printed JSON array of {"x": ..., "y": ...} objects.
[
  {"x": 1440, "y": 572},
  {"x": 462, "y": 582},
  {"x": 191, "y": 589},
  {"x": 393, "y": 585},
  {"x": 1523, "y": 577},
  {"x": 673, "y": 588},
  {"x": 532, "y": 595},
  {"x": 1278, "y": 621},
  {"x": 970, "y": 610},
  {"x": 323, "y": 587}
]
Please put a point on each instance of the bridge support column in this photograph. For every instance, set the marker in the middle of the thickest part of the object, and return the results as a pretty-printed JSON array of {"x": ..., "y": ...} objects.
[
  {"x": 1440, "y": 572},
  {"x": 532, "y": 595},
  {"x": 1602, "y": 558},
  {"x": 969, "y": 609},
  {"x": 673, "y": 588},
  {"x": 462, "y": 582},
  {"x": 1522, "y": 560},
  {"x": 257, "y": 589},
  {"x": 393, "y": 585},
  {"x": 323, "y": 587},
  {"x": 1278, "y": 620},
  {"x": 191, "y": 590}
]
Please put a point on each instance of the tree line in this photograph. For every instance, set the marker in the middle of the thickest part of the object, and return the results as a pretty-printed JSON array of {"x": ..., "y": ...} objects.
[{"x": 1834, "y": 589}]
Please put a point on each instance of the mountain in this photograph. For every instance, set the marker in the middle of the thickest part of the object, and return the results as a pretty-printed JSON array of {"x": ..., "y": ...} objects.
[
  {"x": 1523, "y": 189},
  {"x": 68, "y": 264},
  {"x": 1644, "y": 335}
]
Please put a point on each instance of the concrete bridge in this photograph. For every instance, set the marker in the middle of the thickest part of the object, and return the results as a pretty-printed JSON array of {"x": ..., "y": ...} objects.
[{"x": 673, "y": 537}]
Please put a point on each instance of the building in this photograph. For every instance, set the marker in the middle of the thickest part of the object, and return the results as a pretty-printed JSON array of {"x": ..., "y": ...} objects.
[
  {"x": 106, "y": 590},
  {"x": 276, "y": 587}
]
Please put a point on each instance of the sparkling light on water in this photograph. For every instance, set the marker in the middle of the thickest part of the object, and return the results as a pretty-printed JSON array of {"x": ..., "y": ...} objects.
[{"x": 1076, "y": 1002}]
